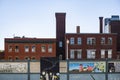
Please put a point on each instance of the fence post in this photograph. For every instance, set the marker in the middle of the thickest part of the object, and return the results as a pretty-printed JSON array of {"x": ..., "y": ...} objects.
[
  {"x": 28, "y": 69},
  {"x": 67, "y": 69},
  {"x": 106, "y": 73}
]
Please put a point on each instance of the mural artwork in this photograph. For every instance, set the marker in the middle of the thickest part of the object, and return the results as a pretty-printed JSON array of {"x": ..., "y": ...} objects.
[
  {"x": 18, "y": 67},
  {"x": 78, "y": 67}
]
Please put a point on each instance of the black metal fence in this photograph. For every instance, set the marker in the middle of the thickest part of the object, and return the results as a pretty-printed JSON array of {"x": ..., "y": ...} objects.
[
  {"x": 68, "y": 70},
  {"x": 91, "y": 70}
]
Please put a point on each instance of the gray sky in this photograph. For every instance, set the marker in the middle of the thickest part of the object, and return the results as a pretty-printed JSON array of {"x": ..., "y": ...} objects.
[{"x": 36, "y": 18}]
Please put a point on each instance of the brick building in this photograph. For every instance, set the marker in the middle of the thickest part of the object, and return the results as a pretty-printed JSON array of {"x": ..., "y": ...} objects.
[
  {"x": 67, "y": 45},
  {"x": 60, "y": 34},
  {"x": 2, "y": 55},
  {"x": 91, "y": 46},
  {"x": 29, "y": 48},
  {"x": 112, "y": 25}
]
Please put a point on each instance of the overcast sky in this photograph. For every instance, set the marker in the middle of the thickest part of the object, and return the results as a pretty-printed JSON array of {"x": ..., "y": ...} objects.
[{"x": 36, "y": 18}]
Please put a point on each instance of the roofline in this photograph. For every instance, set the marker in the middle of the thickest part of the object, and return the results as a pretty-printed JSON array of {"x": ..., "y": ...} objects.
[
  {"x": 94, "y": 33},
  {"x": 30, "y": 40}
]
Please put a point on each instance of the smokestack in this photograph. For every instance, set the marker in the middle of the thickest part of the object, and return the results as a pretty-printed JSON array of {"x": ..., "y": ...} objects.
[
  {"x": 60, "y": 25},
  {"x": 78, "y": 29},
  {"x": 101, "y": 24},
  {"x": 60, "y": 34}
]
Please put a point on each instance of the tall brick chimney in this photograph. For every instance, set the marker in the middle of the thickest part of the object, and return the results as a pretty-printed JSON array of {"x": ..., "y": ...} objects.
[
  {"x": 101, "y": 24},
  {"x": 60, "y": 35},
  {"x": 78, "y": 29}
]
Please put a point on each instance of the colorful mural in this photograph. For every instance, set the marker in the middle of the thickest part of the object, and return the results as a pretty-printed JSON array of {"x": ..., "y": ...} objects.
[{"x": 77, "y": 67}]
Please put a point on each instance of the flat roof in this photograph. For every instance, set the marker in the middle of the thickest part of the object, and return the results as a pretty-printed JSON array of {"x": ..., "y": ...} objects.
[
  {"x": 92, "y": 33},
  {"x": 30, "y": 40}
]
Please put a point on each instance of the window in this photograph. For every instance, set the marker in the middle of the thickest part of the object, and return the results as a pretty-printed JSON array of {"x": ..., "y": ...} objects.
[
  {"x": 109, "y": 53},
  {"x": 72, "y": 40},
  {"x": 79, "y": 41},
  {"x": 79, "y": 54},
  {"x": 102, "y": 41},
  {"x": 26, "y": 48},
  {"x": 16, "y": 49},
  {"x": 91, "y": 41},
  {"x": 72, "y": 55},
  {"x": 109, "y": 41},
  {"x": 60, "y": 44},
  {"x": 43, "y": 48},
  {"x": 60, "y": 57},
  {"x": 91, "y": 54},
  {"x": 33, "y": 48},
  {"x": 27, "y": 58},
  {"x": 102, "y": 53},
  {"x": 33, "y": 58},
  {"x": 9, "y": 48},
  {"x": 10, "y": 58},
  {"x": 16, "y": 58},
  {"x": 49, "y": 48}
]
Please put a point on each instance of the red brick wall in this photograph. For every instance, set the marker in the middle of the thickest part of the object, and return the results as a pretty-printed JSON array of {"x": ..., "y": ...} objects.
[
  {"x": 22, "y": 54},
  {"x": 98, "y": 45}
]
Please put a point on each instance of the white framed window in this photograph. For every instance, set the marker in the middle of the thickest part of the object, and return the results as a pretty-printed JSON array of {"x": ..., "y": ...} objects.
[
  {"x": 26, "y": 48},
  {"x": 109, "y": 40},
  {"x": 72, "y": 54},
  {"x": 110, "y": 53},
  {"x": 43, "y": 48},
  {"x": 50, "y": 48},
  {"x": 91, "y": 54},
  {"x": 9, "y": 48},
  {"x": 103, "y": 53},
  {"x": 79, "y": 41},
  {"x": 33, "y": 48},
  {"x": 91, "y": 41},
  {"x": 102, "y": 40},
  {"x": 79, "y": 54},
  {"x": 16, "y": 49},
  {"x": 72, "y": 41}
]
